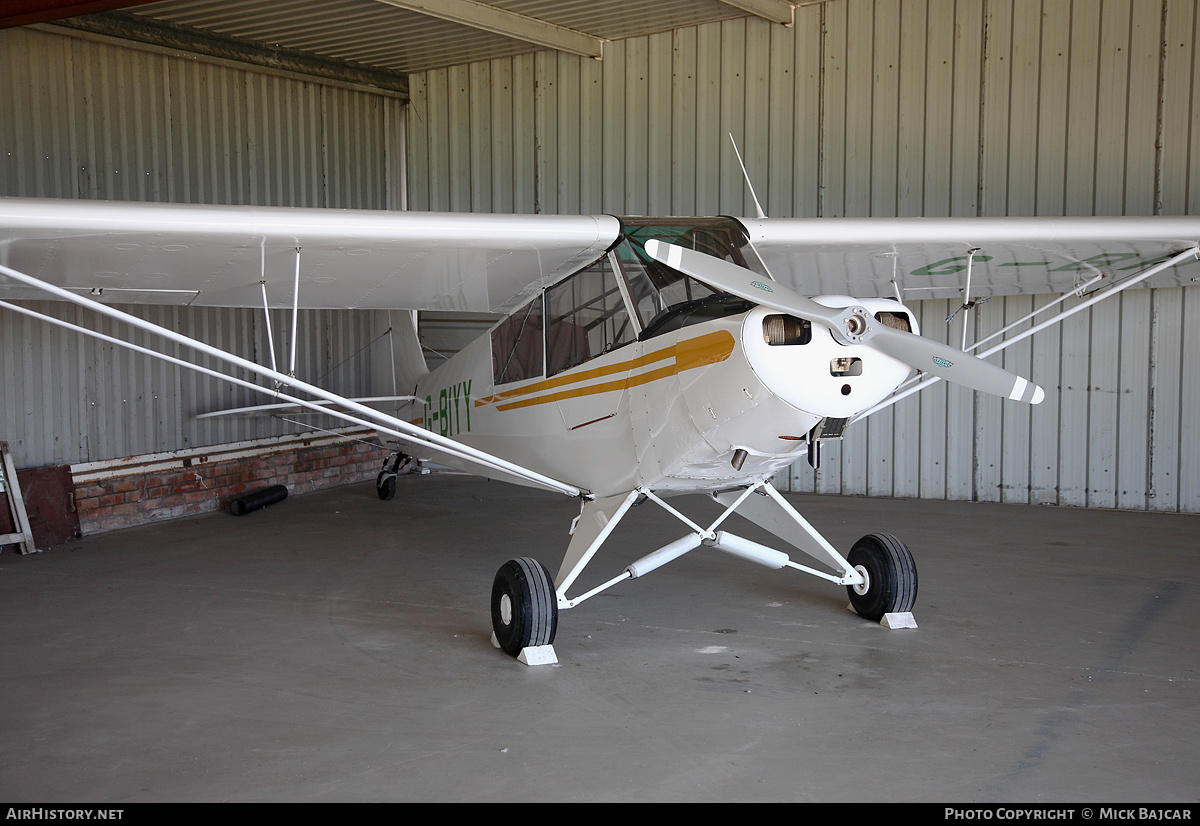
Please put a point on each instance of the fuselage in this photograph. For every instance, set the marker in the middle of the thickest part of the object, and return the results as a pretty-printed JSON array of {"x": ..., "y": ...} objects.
[
  {"x": 629, "y": 373},
  {"x": 706, "y": 406}
]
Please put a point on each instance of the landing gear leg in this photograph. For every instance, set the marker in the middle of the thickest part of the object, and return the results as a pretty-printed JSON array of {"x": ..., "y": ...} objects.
[
  {"x": 393, "y": 466},
  {"x": 879, "y": 572}
]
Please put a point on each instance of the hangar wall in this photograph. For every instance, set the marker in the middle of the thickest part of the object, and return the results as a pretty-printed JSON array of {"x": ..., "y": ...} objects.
[
  {"x": 92, "y": 117},
  {"x": 922, "y": 107}
]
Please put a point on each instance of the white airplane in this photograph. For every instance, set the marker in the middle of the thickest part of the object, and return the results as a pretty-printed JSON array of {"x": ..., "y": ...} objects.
[{"x": 637, "y": 358}]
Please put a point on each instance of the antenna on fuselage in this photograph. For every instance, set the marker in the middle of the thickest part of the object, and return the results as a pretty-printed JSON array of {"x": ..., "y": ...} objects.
[{"x": 757, "y": 206}]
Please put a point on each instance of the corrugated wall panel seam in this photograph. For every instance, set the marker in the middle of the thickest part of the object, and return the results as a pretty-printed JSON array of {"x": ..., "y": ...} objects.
[{"x": 1189, "y": 395}]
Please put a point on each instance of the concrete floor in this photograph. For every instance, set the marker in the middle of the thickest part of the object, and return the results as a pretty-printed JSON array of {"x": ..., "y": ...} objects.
[{"x": 336, "y": 648}]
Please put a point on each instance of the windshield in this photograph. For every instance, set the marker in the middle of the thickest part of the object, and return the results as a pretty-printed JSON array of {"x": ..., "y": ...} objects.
[{"x": 666, "y": 299}]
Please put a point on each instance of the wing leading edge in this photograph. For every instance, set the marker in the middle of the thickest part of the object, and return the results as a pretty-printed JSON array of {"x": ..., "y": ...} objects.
[
  {"x": 928, "y": 257},
  {"x": 130, "y": 252},
  {"x": 133, "y": 252}
]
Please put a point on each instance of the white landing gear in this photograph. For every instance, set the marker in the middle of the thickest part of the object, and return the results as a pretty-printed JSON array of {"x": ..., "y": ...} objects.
[
  {"x": 880, "y": 574},
  {"x": 524, "y": 611}
]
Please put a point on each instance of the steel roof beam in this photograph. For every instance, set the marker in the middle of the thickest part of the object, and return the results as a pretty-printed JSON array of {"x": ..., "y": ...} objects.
[
  {"x": 506, "y": 23},
  {"x": 777, "y": 11},
  {"x": 27, "y": 12},
  {"x": 237, "y": 50}
]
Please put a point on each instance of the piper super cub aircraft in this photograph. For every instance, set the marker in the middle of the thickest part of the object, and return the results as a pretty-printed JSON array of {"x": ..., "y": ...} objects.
[{"x": 637, "y": 358}]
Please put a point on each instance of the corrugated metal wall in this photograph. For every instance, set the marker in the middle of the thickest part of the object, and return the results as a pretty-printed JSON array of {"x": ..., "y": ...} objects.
[
  {"x": 920, "y": 107},
  {"x": 69, "y": 398},
  {"x": 87, "y": 118}
]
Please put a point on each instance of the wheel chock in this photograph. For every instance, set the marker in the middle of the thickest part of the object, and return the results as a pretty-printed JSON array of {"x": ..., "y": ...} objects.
[
  {"x": 533, "y": 654},
  {"x": 538, "y": 655},
  {"x": 900, "y": 619}
]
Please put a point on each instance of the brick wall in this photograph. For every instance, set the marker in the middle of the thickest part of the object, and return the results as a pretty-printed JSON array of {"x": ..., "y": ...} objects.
[{"x": 143, "y": 489}]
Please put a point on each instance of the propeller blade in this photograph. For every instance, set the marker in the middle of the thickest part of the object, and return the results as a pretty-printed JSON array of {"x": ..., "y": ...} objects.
[
  {"x": 850, "y": 325},
  {"x": 954, "y": 365}
]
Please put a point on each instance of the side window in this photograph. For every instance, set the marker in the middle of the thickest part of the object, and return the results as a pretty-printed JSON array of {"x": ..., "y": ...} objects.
[
  {"x": 517, "y": 344},
  {"x": 587, "y": 317}
]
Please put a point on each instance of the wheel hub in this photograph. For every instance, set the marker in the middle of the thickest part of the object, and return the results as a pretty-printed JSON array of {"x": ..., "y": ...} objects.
[
  {"x": 506, "y": 609},
  {"x": 862, "y": 588}
]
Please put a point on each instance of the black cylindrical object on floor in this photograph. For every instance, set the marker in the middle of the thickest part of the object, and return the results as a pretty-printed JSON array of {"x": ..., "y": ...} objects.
[{"x": 258, "y": 499}]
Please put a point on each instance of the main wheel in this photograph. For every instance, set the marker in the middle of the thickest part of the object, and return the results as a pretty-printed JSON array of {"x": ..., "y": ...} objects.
[
  {"x": 890, "y": 573},
  {"x": 524, "y": 605}
]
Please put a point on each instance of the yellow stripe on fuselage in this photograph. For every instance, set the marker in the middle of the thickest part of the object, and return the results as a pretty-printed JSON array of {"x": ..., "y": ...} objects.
[{"x": 711, "y": 348}]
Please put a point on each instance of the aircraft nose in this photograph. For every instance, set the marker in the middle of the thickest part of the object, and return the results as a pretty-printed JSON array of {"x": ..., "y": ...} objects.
[{"x": 801, "y": 362}]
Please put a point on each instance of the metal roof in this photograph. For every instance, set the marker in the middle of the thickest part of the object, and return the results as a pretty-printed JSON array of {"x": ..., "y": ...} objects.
[{"x": 418, "y": 35}]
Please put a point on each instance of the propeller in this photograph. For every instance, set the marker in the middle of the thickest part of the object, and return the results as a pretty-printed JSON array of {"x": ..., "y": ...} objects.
[{"x": 849, "y": 325}]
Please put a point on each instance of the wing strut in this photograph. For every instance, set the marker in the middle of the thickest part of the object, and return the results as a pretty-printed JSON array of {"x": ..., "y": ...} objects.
[
  {"x": 967, "y": 302},
  {"x": 295, "y": 313},
  {"x": 262, "y": 283},
  {"x": 366, "y": 416}
]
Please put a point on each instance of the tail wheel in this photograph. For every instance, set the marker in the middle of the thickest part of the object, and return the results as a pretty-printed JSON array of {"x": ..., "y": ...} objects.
[
  {"x": 890, "y": 576},
  {"x": 385, "y": 485},
  {"x": 385, "y": 482},
  {"x": 524, "y": 605}
]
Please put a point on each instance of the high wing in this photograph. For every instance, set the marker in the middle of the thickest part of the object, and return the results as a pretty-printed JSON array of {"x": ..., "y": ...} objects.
[
  {"x": 928, "y": 257},
  {"x": 348, "y": 259},
  {"x": 97, "y": 253},
  {"x": 129, "y": 252}
]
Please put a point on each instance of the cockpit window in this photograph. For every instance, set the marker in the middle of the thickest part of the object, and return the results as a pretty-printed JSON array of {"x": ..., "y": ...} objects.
[
  {"x": 666, "y": 299},
  {"x": 517, "y": 345},
  {"x": 586, "y": 317}
]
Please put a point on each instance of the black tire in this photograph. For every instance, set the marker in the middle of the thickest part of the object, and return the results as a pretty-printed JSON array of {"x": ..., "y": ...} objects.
[
  {"x": 524, "y": 605},
  {"x": 891, "y": 576},
  {"x": 385, "y": 485}
]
